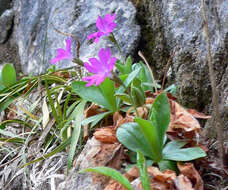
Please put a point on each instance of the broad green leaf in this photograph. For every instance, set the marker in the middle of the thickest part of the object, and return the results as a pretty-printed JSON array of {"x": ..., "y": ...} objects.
[
  {"x": 8, "y": 75},
  {"x": 184, "y": 154},
  {"x": 95, "y": 119},
  {"x": 173, "y": 145},
  {"x": 141, "y": 163},
  {"x": 111, "y": 173},
  {"x": 76, "y": 132},
  {"x": 160, "y": 116},
  {"x": 102, "y": 95},
  {"x": 150, "y": 133},
  {"x": 131, "y": 136},
  {"x": 167, "y": 164}
]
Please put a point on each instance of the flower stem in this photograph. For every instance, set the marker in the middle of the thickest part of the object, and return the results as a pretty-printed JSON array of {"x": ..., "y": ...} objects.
[
  {"x": 113, "y": 39},
  {"x": 120, "y": 82}
]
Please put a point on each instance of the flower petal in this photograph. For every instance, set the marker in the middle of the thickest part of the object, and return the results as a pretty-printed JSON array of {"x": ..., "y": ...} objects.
[
  {"x": 109, "y": 18},
  {"x": 111, "y": 27},
  {"x": 68, "y": 44},
  {"x": 93, "y": 35},
  {"x": 100, "y": 78},
  {"x": 104, "y": 56},
  {"x": 96, "y": 63},
  {"x": 100, "y": 24},
  {"x": 91, "y": 68},
  {"x": 112, "y": 64},
  {"x": 90, "y": 79}
]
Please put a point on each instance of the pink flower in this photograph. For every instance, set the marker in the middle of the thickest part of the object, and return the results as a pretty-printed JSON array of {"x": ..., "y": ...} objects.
[
  {"x": 101, "y": 67},
  {"x": 104, "y": 25},
  {"x": 63, "y": 53}
]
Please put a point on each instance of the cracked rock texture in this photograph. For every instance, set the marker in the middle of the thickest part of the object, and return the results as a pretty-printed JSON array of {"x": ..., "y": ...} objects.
[
  {"x": 6, "y": 21},
  {"x": 169, "y": 25},
  {"x": 35, "y": 20}
]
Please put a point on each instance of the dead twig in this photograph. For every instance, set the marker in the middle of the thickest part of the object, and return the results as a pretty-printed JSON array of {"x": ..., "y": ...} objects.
[
  {"x": 151, "y": 72},
  {"x": 167, "y": 68},
  {"x": 71, "y": 35}
]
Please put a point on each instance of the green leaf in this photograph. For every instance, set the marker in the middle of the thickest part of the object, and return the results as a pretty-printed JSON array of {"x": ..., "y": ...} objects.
[
  {"x": 138, "y": 96},
  {"x": 160, "y": 116},
  {"x": 102, "y": 95},
  {"x": 185, "y": 154},
  {"x": 141, "y": 163},
  {"x": 55, "y": 151},
  {"x": 150, "y": 133},
  {"x": 95, "y": 119},
  {"x": 128, "y": 80},
  {"x": 167, "y": 164},
  {"x": 111, "y": 173},
  {"x": 76, "y": 132},
  {"x": 51, "y": 102},
  {"x": 8, "y": 75},
  {"x": 124, "y": 97},
  {"x": 173, "y": 145},
  {"x": 131, "y": 136}
]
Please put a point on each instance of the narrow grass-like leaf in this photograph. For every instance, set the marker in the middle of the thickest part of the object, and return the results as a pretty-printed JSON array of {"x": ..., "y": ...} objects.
[
  {"x": 66, "y": 105},
  {"x": 55, "y": 151},
  {"x": 51, "y": 102},
  {"x": 76, "y": 132},
  {"x": 141, "y": 163},
  {"x": 111, "y": 173},
  {"x": 18, "y": 121}
]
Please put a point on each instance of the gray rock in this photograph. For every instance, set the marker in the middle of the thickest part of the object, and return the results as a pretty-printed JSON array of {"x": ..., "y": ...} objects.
[
  {"x": 5, "y": 4},
  {"x": 170, "y": 25},
  {"x": 34, "y": 18},
  {"x": 176, "y": 24},
  {"x": 6, "y": 22}
]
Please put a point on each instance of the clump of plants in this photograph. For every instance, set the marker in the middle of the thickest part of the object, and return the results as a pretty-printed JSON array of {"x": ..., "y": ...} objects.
[{"x": 152, "y": 126}]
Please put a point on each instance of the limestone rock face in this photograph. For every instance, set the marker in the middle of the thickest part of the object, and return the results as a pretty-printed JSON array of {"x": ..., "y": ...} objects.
[
  {"x": 180, "y": 28},
  {"x": 6, "y": 21},
  {"x": 176, "y": 25},
  {"x": 37, "y": 19},
  {"x": 5, "y": 4}
]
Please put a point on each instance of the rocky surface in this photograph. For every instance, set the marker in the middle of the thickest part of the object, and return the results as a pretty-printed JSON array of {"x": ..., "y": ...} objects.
[
  {"x": 5, "y": 4},
  {"x": 35, "y": 19},
  {"x": 6, "y": 22},
  {"x": 175, "y": 25}
]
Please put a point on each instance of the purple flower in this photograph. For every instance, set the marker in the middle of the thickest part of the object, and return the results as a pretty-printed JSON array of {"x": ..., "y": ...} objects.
[
  {"x": 63, "y": 53},
  {"x": 104, "y": 25},
  {"x": 101, "y": 67}
]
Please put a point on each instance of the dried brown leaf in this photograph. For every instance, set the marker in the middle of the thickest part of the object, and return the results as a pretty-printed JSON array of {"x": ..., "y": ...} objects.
[
  {"x": 182, "y": 124},
  {"x": 106, "y": 135},
  {"x": 197, "y": 114},
  {"x": 189, "y": 171},
  {"x": 183, "y": 183}
]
